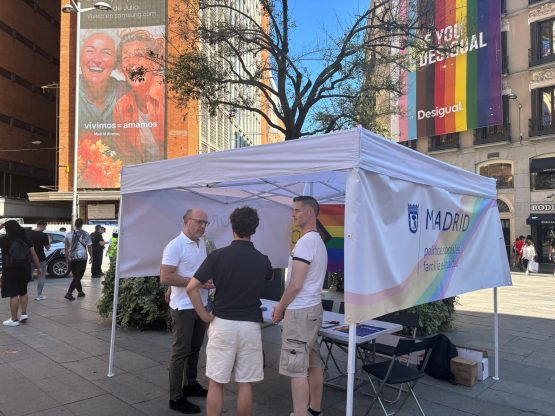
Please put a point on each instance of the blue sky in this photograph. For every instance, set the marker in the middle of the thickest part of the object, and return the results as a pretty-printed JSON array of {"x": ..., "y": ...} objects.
[{"x": 316, "y": 20}]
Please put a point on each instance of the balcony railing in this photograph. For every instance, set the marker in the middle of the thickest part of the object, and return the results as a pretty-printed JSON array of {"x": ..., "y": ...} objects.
[
  {"x": 443, "y": 142},
  {"x": 493, "y": 134},
  {"x": 541, "y": 127}
]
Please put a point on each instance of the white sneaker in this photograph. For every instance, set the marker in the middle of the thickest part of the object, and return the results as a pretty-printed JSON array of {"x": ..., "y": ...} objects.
[
  {"x": 10, "y": 322},
  {"x": 23, "y": 317},
  {"x": 40, "y": 297}
]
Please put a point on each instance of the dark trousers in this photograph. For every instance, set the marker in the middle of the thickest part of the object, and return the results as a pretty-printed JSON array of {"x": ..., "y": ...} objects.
[
  {"x": 77, "y": 270},
  {"x": 96, "y": 267},
  {"x": 188, "y": 335}
]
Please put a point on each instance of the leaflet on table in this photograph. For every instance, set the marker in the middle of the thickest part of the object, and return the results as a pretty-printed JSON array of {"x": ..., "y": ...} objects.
[{"x": 362, "y": 329}]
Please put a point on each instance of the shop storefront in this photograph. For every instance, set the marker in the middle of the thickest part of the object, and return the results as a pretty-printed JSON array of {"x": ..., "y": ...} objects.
[{"x": 543, "y": 229}]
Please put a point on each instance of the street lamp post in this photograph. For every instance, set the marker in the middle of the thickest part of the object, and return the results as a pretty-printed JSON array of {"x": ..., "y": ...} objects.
[
  {"x": 513, "y": 96},
  {"x": 75, "y": 7}
]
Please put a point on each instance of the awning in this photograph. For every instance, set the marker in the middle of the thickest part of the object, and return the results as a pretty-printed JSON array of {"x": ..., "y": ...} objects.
[
  {"x": 544, "y": 165},
  {"x": 541, "y": 219}
]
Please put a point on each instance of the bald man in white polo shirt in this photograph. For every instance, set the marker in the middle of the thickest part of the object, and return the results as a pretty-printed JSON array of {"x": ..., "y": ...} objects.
[{"x": 182, "y": 257}]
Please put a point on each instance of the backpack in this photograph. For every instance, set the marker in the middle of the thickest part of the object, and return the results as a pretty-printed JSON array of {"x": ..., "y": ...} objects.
[
  {"x": 439, "y": 363},
  {"x": 18, "y": 255}
]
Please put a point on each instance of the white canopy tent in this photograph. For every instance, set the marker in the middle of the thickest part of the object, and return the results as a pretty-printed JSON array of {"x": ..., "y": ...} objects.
[{"x": 416, "y": 229}]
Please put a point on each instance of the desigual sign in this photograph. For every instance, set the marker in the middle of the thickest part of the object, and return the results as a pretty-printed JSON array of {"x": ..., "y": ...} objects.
[{"x": 542, "y": 207}]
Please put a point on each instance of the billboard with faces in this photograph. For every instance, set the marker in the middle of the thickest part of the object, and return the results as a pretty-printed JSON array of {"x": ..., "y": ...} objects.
[{"x": 122, "y": 97}]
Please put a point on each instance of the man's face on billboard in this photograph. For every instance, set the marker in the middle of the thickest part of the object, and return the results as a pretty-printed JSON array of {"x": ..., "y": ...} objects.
[
  {"x": 98, "y": 58},
  {"x": 135, "y": 55}
]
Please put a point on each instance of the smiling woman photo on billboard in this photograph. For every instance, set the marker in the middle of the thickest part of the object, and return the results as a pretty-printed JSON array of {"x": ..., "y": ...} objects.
[{"x": 139, "y": 114}]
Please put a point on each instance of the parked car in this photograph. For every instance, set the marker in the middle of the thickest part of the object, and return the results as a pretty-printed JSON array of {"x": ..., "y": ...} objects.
[{"x": 56, "y": 264}]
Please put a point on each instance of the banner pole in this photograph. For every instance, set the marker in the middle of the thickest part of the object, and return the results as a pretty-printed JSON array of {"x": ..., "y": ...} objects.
[{"x": 351, "y": 364}]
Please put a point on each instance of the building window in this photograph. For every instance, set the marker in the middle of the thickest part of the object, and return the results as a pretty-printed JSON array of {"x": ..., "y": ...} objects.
[
  {"x": 542, "y": 174},
  {"x": 443, "y": 142},
  {"x": 504, "y": 56},
  {"x": 501, "y": 172},
  {"x": 543, "y": 42},
  {"x": 411, "y": 144},
  {"x": 542, "y": 121},
  {"x": 497, "y": 133},
  {"x": 502, "y": 206}
]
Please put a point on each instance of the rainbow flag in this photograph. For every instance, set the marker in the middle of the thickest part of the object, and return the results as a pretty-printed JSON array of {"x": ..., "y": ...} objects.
[
  {"x": 460, "y": 88},
  {"x": 332, "y": 218}
]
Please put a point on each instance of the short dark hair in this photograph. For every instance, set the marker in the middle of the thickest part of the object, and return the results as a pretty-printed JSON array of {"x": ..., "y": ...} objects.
[
  {"x": 63, "y": 229},
  {"x": 97, "y": 227},
  {"x": 79, "y": 223},
  {"x": 310, "y": 201},
  {"x": 42, "y": 223},
  {"x": 244, "y": 221}
]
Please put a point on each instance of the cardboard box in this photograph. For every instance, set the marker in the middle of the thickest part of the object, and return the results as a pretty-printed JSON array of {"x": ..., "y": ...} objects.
[
  {"x": 464, "y": 371},
  {"x": 480, "y": 356}
]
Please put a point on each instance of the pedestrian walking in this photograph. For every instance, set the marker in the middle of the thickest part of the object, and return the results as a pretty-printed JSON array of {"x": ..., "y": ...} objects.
[
  {"x": 17, "y": 254},
  {"x": 528, "y": 253},
  {"x": 40, "y": 242},
  {"x": 77, "y": 244}
]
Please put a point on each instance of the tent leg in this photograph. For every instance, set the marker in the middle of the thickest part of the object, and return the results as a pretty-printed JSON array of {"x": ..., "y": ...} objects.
[
  {"x": 351, "y": 367},
  {"x": 113, "y": 334},
  {"x": 496, "y": 333}
]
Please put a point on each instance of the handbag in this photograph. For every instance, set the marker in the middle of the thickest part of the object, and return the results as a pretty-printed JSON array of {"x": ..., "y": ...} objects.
[{"x": 533, "y": 266}]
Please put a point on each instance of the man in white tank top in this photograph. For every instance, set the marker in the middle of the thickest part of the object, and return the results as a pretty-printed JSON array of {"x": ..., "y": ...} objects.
[{"x": 301, "y": 309}]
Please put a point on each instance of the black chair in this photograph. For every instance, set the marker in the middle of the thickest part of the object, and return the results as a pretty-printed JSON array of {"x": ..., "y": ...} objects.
[
  {"x": 327, "y": 304},
  {"x": 394, "y": 372},
  {"x": 408, "y": 320}
]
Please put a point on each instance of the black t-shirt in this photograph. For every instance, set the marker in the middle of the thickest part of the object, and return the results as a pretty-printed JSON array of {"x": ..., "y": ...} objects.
[
  {"x": 96, "y": 238},
  {"x": 238, "y": 272},
  {"x": 40, "y": 240},
  {"x": 6, "y": 242}
]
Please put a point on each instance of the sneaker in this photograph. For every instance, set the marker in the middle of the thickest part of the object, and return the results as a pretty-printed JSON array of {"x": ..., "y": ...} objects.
[
  {"x": 23, "y": 317},
  {"x": 11, "y": 322},
  {"x": 184, "y": 406},
  {"x": 196, "y": 390},
  {"x": 40, "y": 297},
  {"x": 81, "y": 295},
  {"x": 69, "y": 296}
]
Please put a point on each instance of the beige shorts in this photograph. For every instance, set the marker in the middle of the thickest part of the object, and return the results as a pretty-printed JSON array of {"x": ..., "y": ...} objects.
[
  {"x": 234, "y": 346},
  {"x": 300, "y": 349}
]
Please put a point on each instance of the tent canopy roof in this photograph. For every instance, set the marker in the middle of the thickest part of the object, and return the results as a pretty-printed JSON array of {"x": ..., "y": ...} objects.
[{"x": 322, "y": 163}]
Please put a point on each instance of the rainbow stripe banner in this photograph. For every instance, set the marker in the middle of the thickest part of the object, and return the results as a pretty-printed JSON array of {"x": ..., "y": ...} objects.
[
  {"x": 332, "y": 218},
  {"x": 460, "y": 88}
]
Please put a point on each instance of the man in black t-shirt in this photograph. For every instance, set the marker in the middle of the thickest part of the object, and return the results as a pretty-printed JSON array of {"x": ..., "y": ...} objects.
[
  {"x": 234, "y": 339},
  {"x": 40, "y": 242},
  {"x": 97, "y": 251}
]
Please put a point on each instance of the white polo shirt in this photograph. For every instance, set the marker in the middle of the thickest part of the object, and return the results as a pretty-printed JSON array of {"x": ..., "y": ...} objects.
[
  {"x": 309, "y": 249},
  {"x": 187, "y": 255}
]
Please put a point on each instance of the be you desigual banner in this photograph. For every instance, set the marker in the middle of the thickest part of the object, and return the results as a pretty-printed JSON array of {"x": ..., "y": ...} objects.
[
  {"x": 121, "y": 117},
  {"x": 455, "y": 86}
]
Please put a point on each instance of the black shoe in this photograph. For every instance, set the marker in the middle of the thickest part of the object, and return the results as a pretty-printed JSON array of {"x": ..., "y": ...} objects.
[
  {"x": 196, "y": 390},
  {"x": 184, "y": 406},
  {"x": 81, "y": 295},
  {"x": 69, "y": 296}
]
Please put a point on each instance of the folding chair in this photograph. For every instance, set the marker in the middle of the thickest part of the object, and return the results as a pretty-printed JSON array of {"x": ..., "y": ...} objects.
[
  {"x": 327, "y": 304},
  {"x": 408, "y": 320},
  {"x": 394, "y": 372}
]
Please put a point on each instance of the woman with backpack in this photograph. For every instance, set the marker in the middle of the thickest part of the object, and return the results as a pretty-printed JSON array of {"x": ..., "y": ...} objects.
[{"x": 17, "y": 254}]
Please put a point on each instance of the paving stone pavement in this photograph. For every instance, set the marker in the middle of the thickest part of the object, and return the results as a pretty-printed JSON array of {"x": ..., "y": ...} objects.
[{"x": 56, "y": 364}]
